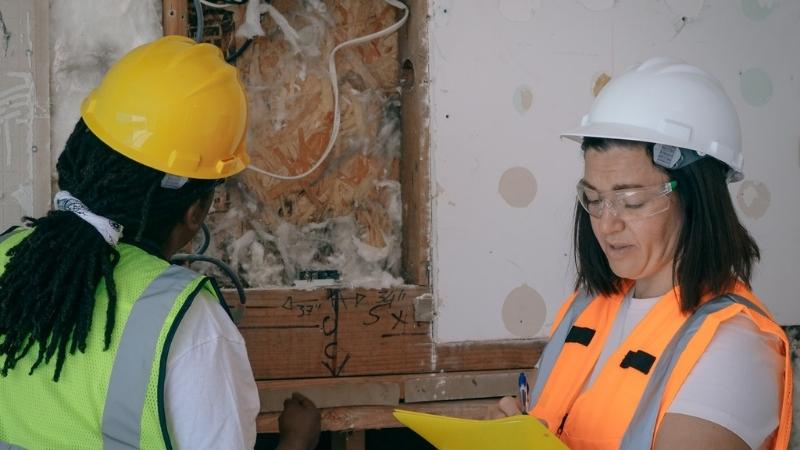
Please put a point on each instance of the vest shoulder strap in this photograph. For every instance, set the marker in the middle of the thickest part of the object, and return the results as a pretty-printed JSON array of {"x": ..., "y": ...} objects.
[
  {"x": 553, "y": 348},
  {"x": 641, "y": 429},
  {"x": 136, "y": 355}
]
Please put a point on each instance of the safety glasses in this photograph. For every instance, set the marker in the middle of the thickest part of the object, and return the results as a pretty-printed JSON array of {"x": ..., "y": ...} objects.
[{"x": 627, "y": 204}]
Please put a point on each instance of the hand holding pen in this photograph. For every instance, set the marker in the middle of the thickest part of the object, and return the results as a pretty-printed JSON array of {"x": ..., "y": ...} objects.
[{"x": 524, "y": 393}]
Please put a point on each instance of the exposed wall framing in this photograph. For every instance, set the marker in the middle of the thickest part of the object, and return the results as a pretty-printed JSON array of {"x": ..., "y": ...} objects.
[
  {"x": 174, "y": 14},
  {"x": 347, "y": 215},
  {"x": 299, "y": 338}
]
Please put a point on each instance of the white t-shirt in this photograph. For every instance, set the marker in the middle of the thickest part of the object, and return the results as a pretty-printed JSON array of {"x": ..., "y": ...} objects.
[
  {"x": 736, "y": 383},
  {"x": 211, "y": 399}
]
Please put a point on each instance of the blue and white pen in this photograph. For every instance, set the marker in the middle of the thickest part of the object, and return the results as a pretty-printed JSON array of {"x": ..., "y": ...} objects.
[{"x": 524, "y": 393}]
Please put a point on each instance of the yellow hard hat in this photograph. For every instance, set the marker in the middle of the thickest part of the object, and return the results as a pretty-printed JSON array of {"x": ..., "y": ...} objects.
[{"x": 173, "y": 105}]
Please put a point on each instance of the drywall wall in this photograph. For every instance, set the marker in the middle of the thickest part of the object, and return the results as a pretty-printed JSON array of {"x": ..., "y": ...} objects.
[
  {"x": 86, "y": 38},
  {"x": 24, "y": 110},
  {"x": 507, "y": 76},
  {"x": 54, "y": 53}
]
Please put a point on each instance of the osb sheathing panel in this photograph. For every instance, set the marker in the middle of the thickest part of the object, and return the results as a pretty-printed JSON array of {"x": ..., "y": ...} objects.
[{"x": 291, "y": 110}]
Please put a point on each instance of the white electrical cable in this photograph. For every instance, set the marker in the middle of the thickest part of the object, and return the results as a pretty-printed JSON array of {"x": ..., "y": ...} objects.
[
  {"x": 288, "y": 32},
  {"x": 335, "y": 86},
  {"x": 216, "y": 5}
]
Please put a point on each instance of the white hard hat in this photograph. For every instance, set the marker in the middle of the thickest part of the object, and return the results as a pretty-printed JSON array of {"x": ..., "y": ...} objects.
[{"x": 666, "y": 101}]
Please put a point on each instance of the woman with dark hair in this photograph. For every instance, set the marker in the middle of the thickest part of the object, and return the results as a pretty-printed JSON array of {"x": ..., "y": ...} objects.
[
  {"x": 104, "y": 343},
  {"x": 663, "y": 345}
]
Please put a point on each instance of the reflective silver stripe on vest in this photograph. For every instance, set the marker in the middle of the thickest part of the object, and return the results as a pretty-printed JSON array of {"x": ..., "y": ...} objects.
[
  {"x": 556, "y": 343},
  {"x": 3, "y": 238},
  {"x": 6, "y": 445},
  {"x": 641, "y": 429},
  {"x": 130, "y": 376}
]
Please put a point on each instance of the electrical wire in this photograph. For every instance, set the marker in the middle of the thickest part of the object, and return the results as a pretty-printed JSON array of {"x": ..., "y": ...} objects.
[
  {"x": 206, "y": 240},
  {"x": 185, "y": 257},
  {"x": 198, "y": 10},
  {"x": 198, "y": 256},
  {"x": 335, "y": 87},
  {"x": 218, "y": 5},
  {"x": 235, "y": 55}
]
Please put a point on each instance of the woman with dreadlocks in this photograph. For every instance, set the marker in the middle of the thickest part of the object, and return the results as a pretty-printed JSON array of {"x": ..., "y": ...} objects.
[{"x": 103, "y": 343}]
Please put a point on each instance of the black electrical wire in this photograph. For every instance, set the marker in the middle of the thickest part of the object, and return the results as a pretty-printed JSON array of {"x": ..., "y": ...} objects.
[
  {"x": 206, "y": 240},
  {"x": 199, "y": 256},
  {"x": 233, "y": 56},
  {"x": 184, "y": 257}
]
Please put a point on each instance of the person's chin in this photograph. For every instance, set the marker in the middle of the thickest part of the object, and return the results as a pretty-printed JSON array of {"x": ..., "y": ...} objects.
[{"x": 623, "y": 268}]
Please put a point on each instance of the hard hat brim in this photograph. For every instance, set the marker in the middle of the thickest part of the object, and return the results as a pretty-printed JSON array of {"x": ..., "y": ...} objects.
[{"x": 633, "y": 133}]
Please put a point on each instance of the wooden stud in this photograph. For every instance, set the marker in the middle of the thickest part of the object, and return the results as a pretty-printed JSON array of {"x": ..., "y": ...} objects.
[
  {"x": 174, "y": 17},
  {"x": 348, "y": 440},
  {"x": 415, "y": 164}
]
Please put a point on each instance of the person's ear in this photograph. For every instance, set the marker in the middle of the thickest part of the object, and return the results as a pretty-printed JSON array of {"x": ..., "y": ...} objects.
[{"x": 196, "y": 214}]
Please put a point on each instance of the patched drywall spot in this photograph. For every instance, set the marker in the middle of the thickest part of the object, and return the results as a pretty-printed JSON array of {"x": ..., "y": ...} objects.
[
  {"x": 523, "y": 99},
  {"x": 599, "y": 83},
  {"x": 597, "y": 5},
  {"x": 757, "y": 9},
  {"x": 524, "y": 311},
  {"x": 689, "y": 9},
  {"x": 753, "y": 198},
  {"x": 518, "y": 187},
  {"x": 756, "y": 87},
  {"x": 518, "y": 10}
]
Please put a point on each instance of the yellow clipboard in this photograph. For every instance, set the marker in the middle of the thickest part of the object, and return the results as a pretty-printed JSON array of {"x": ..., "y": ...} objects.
[{"x": 451, "y": 433}]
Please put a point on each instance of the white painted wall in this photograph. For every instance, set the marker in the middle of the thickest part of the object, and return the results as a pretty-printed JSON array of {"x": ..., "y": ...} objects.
[{"x": 507, "y": 76}]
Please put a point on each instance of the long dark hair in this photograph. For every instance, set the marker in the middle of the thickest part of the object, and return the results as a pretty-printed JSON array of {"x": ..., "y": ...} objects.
[
  {"x": 48, "y": 287},
  {"x": 714, "y": 249}
]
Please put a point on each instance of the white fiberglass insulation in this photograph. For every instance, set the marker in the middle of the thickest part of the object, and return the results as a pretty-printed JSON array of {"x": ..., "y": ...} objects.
[{"x": 275, "y": 257}]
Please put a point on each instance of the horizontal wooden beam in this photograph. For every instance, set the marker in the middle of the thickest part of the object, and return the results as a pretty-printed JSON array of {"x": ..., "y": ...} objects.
[
  {"x": 341, "y": 394},
  {"x": 459, "y": 386},
  {"x": 376, "y": 417},
  {"x": 332, "y": 392}
]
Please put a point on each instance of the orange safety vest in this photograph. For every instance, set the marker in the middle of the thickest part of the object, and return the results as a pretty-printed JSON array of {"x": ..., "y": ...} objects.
[{"x": 624, "y": 407}]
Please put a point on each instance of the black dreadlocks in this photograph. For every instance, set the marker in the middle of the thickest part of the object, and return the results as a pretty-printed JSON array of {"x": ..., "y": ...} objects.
[{"x": 47, "y": 291}]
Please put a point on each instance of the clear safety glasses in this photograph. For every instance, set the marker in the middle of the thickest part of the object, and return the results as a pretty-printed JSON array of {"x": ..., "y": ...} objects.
[{"x": 627, "y": 204}]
